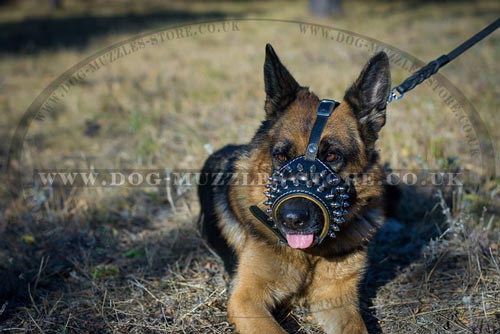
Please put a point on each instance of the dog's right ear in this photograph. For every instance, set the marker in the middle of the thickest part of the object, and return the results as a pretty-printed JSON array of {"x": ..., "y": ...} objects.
[{"x": 281, "y": 87}]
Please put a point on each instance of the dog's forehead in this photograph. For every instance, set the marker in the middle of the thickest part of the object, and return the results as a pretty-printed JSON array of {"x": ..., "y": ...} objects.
[
  {"x": 342, "y": 123},
  {"x": 298, "y": 118},
  {"x": 297, "y": 122}
]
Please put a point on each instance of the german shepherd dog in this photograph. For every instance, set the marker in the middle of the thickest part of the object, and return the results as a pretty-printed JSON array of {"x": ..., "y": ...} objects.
[{"x": 268, "y": 275}]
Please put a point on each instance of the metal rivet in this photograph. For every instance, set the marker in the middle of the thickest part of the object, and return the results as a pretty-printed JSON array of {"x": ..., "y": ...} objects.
[{"x": 312, "y": 148}]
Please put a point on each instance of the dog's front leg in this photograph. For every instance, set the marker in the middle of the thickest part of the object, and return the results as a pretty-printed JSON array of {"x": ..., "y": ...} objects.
[
  {"x": 338, "y": 319},
  {"x": 248, "y": 310},
  {"x": 333, "y": 296},
  {"x": 258, "y": 288}
]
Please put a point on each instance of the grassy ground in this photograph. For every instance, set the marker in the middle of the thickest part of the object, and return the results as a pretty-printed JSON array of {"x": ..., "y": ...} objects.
[{"x": 130, "y": 260}]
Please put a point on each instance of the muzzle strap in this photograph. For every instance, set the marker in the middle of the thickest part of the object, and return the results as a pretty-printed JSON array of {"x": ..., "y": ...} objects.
[
  {"x": 264, "y": 219},
  {"x": 324, "y": 111}
]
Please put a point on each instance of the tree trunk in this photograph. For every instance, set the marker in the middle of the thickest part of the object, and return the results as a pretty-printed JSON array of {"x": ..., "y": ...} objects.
[{"x": 325, "y": 7}]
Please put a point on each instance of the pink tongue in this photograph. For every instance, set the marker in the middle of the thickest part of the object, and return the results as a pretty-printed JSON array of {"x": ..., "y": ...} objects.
[{"x": 300, "y": 240}]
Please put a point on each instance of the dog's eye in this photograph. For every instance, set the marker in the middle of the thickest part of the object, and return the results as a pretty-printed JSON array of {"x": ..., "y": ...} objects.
[
  {"x": 332, "y": 157},
  {"x": 281, "y": 157}
]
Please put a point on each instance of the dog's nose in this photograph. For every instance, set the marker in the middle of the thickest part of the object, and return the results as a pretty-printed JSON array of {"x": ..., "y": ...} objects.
[
  {"x": 298, "y": 214},
  {"x": 295, "y": 220}
]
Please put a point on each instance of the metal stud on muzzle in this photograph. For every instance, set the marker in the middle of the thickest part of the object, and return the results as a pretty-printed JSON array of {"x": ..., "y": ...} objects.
[{"x": 310, "y": 178}]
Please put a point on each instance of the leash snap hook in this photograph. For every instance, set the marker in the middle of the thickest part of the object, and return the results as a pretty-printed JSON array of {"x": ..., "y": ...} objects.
[{"x": 395, "y": 95}]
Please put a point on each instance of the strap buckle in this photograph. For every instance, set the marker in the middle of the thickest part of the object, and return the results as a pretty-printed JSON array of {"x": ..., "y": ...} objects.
[{"x": 326, "y": 107}]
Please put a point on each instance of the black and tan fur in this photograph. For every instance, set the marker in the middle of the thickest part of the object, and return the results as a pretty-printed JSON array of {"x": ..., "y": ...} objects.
[{"x": 267, "y": 275}]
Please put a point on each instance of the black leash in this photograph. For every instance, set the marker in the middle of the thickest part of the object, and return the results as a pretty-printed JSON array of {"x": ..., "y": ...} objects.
[{"x": 425, "y": 72}]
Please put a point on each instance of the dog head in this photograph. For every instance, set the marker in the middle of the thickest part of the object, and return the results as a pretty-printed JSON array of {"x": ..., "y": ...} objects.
[{"x": 346, "y": 146}]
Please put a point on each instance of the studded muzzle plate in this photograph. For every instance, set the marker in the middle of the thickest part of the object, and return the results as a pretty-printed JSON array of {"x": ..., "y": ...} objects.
[{"x": 314, "y": 181}]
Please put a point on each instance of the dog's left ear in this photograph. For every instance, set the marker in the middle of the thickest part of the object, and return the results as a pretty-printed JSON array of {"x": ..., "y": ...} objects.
[{"x": 368, "y": 96}]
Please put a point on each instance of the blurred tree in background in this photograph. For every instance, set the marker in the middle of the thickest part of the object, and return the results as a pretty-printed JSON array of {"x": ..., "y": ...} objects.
[{"x": 325, "y": 7}]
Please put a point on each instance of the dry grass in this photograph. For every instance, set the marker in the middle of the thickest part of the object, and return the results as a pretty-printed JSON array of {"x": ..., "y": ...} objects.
[
  {"x": 453, "y": 287},
  {"x": 129, "y": 260}
]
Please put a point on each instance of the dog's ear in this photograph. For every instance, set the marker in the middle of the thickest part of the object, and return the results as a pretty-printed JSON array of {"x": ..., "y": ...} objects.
[
  {"x": 281, "y": 87},
  {"x": 368, "y": 96}
]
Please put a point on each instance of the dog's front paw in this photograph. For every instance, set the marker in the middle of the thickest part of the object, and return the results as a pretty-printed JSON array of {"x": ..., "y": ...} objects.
[{"x": 340, "y": 320}]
